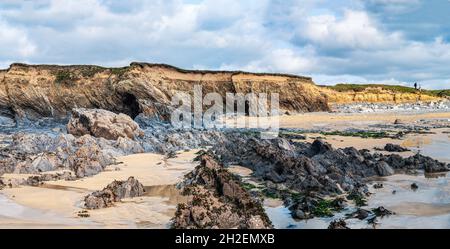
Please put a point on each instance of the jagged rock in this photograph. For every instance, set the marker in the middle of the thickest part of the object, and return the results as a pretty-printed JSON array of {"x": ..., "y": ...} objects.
[
  {"x": 102, "y": 123},
  {"x": 360, "y": 214},
  {"x": 217, "y": 200},
  {"x": 429, "y": 164},
  {"x": 114, "y": 192},
  {"x": 384, "y": 169},
  {"x": 316, "y": 167},
  {"x": 320, "y": 147},
  {"x": 378, "y": 185},
  {"x": 381, "y": 211},
  {"x": 394, "y": 148},
  {"x": 46, "y": 150},
  {"x": 338, "y": 224},
  {"x": 45, "y": 162}
]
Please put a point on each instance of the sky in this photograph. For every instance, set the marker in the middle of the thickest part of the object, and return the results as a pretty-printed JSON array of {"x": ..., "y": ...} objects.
[{"x": 333, "y": 41}]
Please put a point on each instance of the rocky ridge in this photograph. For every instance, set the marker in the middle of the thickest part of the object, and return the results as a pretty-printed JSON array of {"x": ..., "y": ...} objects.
[
  {"x": 304, "y": 173},
  {"x": 114, "y": 192},
  {"x": 217, "y": 200},
  {"x": 44, "y": 149}
]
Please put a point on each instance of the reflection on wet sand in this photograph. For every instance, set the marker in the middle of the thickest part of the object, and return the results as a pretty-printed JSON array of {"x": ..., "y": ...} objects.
[{"x": 171, "y": 192}]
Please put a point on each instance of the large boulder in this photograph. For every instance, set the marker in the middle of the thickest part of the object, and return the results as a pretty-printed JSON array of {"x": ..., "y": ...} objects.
[
  {"x": 384, "y": 169},
  {"x": 394, "y": 148},
  {"x": 102, "y": 123},
  {"x": 114, "y": 192}
]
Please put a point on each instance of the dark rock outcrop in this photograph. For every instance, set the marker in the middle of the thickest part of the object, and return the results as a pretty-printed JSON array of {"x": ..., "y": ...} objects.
[
  {"x": 315, "y": 167},
  {"x": 217, "y": 200},
  {"x": 338, "y": 224},
  {"x": 360, "y": 214},
  {"x": 381, "y": 211},
  {"x": 114, "y": 192},
  {"x": 378, "y": 185},
  {"x": 394, "y": 148},
  {"x": 383, "y": 169}
]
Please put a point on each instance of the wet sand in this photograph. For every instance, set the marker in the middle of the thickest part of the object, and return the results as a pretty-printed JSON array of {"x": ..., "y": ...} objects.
[{"x": 56, "y": 203}]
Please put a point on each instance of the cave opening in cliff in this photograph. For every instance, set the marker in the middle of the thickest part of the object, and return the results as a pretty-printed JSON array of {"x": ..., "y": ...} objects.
[
  {"x": 246, "y": 108},
  {"x": 130, "y": 105}
]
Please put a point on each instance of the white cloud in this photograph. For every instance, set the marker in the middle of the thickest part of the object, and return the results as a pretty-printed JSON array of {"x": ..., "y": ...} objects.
[
  {"x": 14, "y": 42},
  {"x": 279, "y": 60},
  {"x": 355, "y": 30},
  {"x": 333, "y": 40}
]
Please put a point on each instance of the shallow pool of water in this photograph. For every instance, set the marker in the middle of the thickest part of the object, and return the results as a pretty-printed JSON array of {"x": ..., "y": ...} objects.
[{"x": 436, "y": 146}]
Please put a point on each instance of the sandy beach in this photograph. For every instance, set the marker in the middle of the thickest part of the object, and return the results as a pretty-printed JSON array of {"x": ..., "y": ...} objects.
[{"x": 56, "y": 203}]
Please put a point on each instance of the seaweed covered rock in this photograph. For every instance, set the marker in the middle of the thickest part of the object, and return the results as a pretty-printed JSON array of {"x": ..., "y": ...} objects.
[
  {"x": 338, "y": 224},
  {"x": 381, "y": 211},
  {"x": 417, "y": 161},
  {"x": 315, "y": 167},
  {"x": 102, "y": 123},
  {"x": 217, "y": 200},
  {"x": 114, "y": 192},
  {"x": 394, "y": 148}
]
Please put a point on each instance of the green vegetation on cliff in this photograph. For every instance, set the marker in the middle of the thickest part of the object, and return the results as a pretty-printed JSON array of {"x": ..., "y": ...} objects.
[{"x": 394, "y": 88}]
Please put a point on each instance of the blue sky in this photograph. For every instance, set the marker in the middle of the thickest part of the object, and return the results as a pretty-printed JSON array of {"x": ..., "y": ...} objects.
[{"x": 353, "y": 41}]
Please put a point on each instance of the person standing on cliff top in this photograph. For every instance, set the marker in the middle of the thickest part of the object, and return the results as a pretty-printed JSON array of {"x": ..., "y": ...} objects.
[{"x": 415, "y": 85}]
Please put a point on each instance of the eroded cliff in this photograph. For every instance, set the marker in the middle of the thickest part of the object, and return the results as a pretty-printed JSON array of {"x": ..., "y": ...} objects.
[
  {"x": 35, "y": 91},
  {"x": 376, "y": 95}
]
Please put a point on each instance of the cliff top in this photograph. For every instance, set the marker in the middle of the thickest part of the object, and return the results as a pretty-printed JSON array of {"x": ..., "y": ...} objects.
[
  {"x": 151, "y": 65},
  {"x": 391, "y": 88}
]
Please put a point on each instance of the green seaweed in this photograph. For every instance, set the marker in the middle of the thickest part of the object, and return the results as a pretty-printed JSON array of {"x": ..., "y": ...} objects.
[
  {"x": 248, "y": 186},
  {"x": 362, "y": 134}
]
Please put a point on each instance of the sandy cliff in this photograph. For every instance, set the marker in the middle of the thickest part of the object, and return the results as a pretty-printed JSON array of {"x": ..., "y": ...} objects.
[
  {"x": 35, "y": 91},
  {"x": 375, "y": 95}
]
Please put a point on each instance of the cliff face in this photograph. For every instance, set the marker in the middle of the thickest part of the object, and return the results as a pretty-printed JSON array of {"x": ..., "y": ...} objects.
[
  {"x": 375, "y": 95},
  {"x": 35, "y": 91}
]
